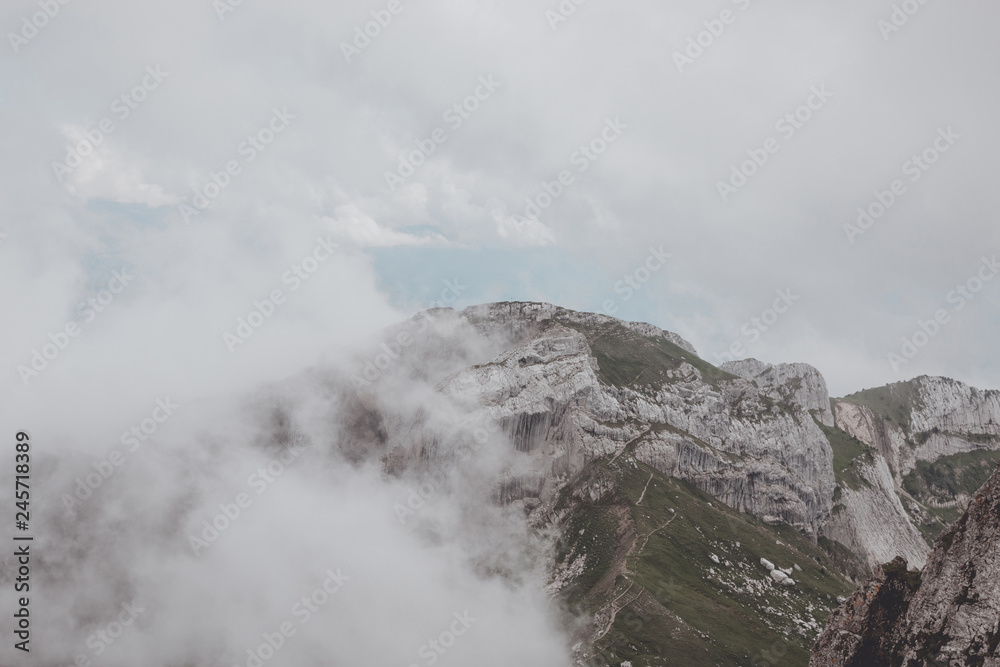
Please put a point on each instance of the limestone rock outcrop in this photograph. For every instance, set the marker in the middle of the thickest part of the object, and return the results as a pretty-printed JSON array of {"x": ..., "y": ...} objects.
[
  {"x": 948, "y": 614},
  {"x": 753, "y": 443}
]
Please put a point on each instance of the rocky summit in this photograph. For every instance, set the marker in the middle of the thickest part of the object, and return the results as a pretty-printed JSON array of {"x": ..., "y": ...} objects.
[{"x": 715, "y": 513}]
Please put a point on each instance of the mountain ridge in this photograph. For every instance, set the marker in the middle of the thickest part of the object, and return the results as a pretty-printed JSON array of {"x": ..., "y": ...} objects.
[{"x": 597, "y": 416}]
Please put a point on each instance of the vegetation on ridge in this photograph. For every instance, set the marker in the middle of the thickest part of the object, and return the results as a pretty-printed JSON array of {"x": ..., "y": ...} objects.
[
  {"x": 894, "y": 401},
  {"x": 627, "y": 358},
  {"x": 683, "y": 573},
  {"x": 848, "y": 454}
]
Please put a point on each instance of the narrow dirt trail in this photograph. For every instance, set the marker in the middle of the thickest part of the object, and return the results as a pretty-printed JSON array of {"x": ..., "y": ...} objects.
[
  {"x": 638, "y": 554},
  {"x": 643, "y": 494},
  {"x": 651, "y": 533},
  {"x": 625, "y": 448}
]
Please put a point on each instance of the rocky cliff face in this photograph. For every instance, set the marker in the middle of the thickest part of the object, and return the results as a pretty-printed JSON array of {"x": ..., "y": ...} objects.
[
  {"x": 553, "y": 397},
  {"x": 854, "y": 635},
  {"x": 954, "y": 408},
  {"x": 573, "y": 387},
  {"x": 569, "y": 387},
  {"x": 938, "y": 439},
  {"x": 799, "y": 384},
  {"x": 870, "y": 520},
  {"x": 887, "y": 438},
  {"x": 947, "y": 615},
  {"x": 922, "y": 420}
]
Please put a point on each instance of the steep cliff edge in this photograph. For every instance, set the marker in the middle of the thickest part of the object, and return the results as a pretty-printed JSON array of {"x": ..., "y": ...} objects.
[
  {"x": 947, "y": 615},
  {"x": 868, "y": 516},
  {"x": 596, "y": 429},
  {"x": 575, "y": 387},
  {"x": 800, "y": 384},
  {"x": 940, "y": 439}
]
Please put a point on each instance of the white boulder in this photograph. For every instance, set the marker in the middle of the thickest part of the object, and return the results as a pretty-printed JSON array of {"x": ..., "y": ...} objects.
[{"x": 782, "y": 578}]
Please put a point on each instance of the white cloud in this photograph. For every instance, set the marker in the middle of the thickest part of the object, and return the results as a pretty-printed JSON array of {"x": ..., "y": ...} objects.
[
  {"x": 655, "y": 186},
  {"x": 352, "y": 224}
]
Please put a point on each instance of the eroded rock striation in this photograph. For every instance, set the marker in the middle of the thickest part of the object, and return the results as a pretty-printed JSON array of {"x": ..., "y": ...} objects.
[
  {"x": 934, "y": 441},
  {"x": 871, "y": 521},
  {"x": 947, "y": 615},
  {"x": 562, "y": 403},
  {"x": 573, "y": 387}
]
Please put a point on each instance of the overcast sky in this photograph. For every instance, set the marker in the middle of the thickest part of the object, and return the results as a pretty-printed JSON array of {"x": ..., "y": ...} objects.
[
  {"x": 684, "y": 116},
  {"x": 323, "y": 170}
]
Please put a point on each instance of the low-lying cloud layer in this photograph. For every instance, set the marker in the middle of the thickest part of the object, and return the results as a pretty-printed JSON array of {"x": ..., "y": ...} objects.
[
  {"x": 195, "y": 195},
  {"x": 304, "y": 524}
]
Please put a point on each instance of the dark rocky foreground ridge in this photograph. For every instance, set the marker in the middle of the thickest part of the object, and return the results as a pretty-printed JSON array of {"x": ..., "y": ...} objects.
[
  {"x": 949, "y": 614},
  {"x": 715, "y": 513}
]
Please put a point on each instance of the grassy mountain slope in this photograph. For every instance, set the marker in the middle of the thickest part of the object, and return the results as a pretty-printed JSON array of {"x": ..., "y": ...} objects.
[
  {"x": 894, "y": 402},
  {"x": 848, "y": 454},
  {"x": 950, "y": 478},
  {"x": 628, "y": 358},
  {"x": 670, "y": 571}
]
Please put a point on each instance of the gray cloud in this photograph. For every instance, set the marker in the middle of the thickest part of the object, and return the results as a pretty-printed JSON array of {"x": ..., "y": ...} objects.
[{"x": 325, "y": 174}]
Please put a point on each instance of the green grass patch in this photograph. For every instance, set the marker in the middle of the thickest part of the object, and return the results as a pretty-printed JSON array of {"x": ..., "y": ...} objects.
[
  {"x": 930, "y": 532},
  {"x": 599, "y": 528},
  {"x": 980, "y": 438},
  {"x": 948, "y": 515},
  {"x": 848, "y": 453},
  {"x": 629, "y": 359},
  {"x": 943, "y": 481},
  {"x": 734, "y": 616},
  {"x": 951, "y": 476},
  {"x": 843, "y": 559},
  {"x": 895, "y": 402}
]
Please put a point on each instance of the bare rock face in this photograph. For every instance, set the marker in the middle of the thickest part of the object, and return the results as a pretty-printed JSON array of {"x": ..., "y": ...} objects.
[
  {"x": 872, "y": 522},
  {"x": 800, "y": 384},
  {"x": 950, "y": 615},
  {"x": 888, "y": 438},
  {"x": 954, "y": 407},
  {"x": 572, "y": 387},
  {"x": 938, "y": 440},
  {"x": 922, "y": 420}
]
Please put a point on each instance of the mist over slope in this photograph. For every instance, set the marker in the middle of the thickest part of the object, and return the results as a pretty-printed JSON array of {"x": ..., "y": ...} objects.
[
  {"x": 515, "y": 483},
  {"x": 273, "y": 509}
]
